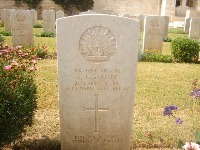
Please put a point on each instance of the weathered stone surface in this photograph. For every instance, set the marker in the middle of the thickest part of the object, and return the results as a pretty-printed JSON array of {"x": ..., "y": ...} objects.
[
  {"x": 192, "y": 14},
  {"x": 194, "y": 31},
  {"x": 22, "y": 27},
  {"x": 141, "y": 19},
  {"x": 166, "y": 25},
  {"x": 59, "y": 14},
  {"x": 187, "y": 25},
  {"x": 97, "y": 59},
  {"x": 153, "y": 33},
  {"x": 34, "y": 16},
  {"x": 5, "y": 13},
  {"x": 49, "y": 20}
]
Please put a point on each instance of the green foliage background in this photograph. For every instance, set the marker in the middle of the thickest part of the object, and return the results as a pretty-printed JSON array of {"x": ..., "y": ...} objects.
[{"x": 67, "y": 5}]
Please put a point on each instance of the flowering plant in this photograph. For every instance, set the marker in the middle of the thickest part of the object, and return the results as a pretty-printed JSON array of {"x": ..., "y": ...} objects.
[
  {"x": 168, "y": 112},
  {"x": 40, "y": 51},
  {"x": 191, "y": 146},
  {"x": 17, "y": 92}
]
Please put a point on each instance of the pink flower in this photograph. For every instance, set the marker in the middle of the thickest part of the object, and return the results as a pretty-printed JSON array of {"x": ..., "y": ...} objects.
[
  {"x": 20, "y": 51},
  {"x": 4, "y": 51},
  {"x": 32, "y": 68},
  {"x": 33, "y": 61},
  {"x": 18, "y": 47},
  {"x": 7, "y": 67},
  {"x": 191, "y": 146},
  {"x": 14, "y": 63}
]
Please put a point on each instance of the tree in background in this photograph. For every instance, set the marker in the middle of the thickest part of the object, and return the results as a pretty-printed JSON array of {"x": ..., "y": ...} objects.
[{"x": 68, "y": 5}]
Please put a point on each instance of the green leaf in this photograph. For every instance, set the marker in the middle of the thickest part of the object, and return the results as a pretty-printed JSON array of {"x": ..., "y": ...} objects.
[
  {"x": 180, "y": 144},
  {"x": 197, "y": 136}
]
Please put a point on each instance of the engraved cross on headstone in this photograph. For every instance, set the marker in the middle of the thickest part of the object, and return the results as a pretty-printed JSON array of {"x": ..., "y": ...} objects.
[{"x": 96, "y": 109}]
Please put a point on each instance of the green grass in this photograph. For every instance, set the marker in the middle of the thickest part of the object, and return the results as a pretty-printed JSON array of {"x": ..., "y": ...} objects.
[{"x": 158, "y": 85}]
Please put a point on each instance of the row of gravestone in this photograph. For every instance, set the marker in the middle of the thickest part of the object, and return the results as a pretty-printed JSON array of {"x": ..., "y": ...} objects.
[
  {"x": 192, "y": 24},
  {"x": 49, "y": 18},
  {"x": 155, "y": 28}
]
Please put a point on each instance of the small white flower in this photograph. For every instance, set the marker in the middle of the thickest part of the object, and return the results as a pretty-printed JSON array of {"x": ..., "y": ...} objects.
[{"x": 191, "y": 146}]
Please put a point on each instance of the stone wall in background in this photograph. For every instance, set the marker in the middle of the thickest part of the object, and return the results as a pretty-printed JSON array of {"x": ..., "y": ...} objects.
[
  {"x": 121, "y": 7},
  {"x": 196, "y": 4},
  {"x": 131, "y": 7}
]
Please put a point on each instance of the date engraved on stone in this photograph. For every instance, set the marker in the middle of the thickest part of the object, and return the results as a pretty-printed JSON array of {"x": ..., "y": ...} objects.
[{"x": 97, "y": 44}]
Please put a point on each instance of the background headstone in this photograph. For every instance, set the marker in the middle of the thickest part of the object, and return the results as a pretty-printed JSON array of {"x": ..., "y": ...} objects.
[
  {"x": 59, "y": 14},
  {"x": 166, "y": 25},
  {"x": 194, "y": 31},
  {"x": 34, "y": 16},
  {"x": 6, "y": 19},
  {"x": 141, "y": 18},
  {"x": 187, "y": 25},
  {"x": 154, "y": 27},
  {"x": 49, "y": 20},
  {"x": 22, "y": 27},
  {"x": 96, "y": 75}
]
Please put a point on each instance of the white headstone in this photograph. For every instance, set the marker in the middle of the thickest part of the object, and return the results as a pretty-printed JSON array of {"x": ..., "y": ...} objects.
[
  {"x": 141, "y": 19},
  {"x": 153, "y": 33},
  {"x": 194, "y": 31},
  {"x": 59, "y": 14},
  {"x": 22, "y": 27},
  {"x": 6, "y": 19},
  {"x": 34, "y": 16},
  {"x": 166, "y": 25},
  {"x": 96, "y": 74},
  {"x": 49, "y": 20},
  {"x": 187, "y": 25}
]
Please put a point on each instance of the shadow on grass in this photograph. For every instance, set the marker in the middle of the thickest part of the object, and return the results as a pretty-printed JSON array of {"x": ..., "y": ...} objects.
[{"x": 38, "y": 144}]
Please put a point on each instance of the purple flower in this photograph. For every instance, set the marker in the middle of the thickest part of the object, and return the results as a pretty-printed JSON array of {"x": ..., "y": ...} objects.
[
  {"x": 168, "y": 110},
  {"x": 179, "y": 121},
  {"x": 172, "y": 107},
  {"x": 195, "y": 93}
]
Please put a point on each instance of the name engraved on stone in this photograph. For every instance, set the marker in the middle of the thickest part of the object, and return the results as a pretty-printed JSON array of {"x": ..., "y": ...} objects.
[
  {"x": 97, "y": 44},
  {"x": 96, "y": 110}
]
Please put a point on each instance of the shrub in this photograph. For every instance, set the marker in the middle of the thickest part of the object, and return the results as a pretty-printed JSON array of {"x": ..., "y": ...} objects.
[
  {"x": 47, "y": 34},
  {"x": 167, "y": 39},
  {"x": 37, "y": 25},
  {"x": 40, "y": 52},
  {"x": 6, "y": 33},
  {"x": 155, "y": 57},
  {"x": 17, "y": 92},
  {"x": 185, "y": 50}
]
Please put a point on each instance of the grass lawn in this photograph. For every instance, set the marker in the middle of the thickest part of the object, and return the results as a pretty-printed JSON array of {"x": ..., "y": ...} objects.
[{"x": 158, "y": 85}]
